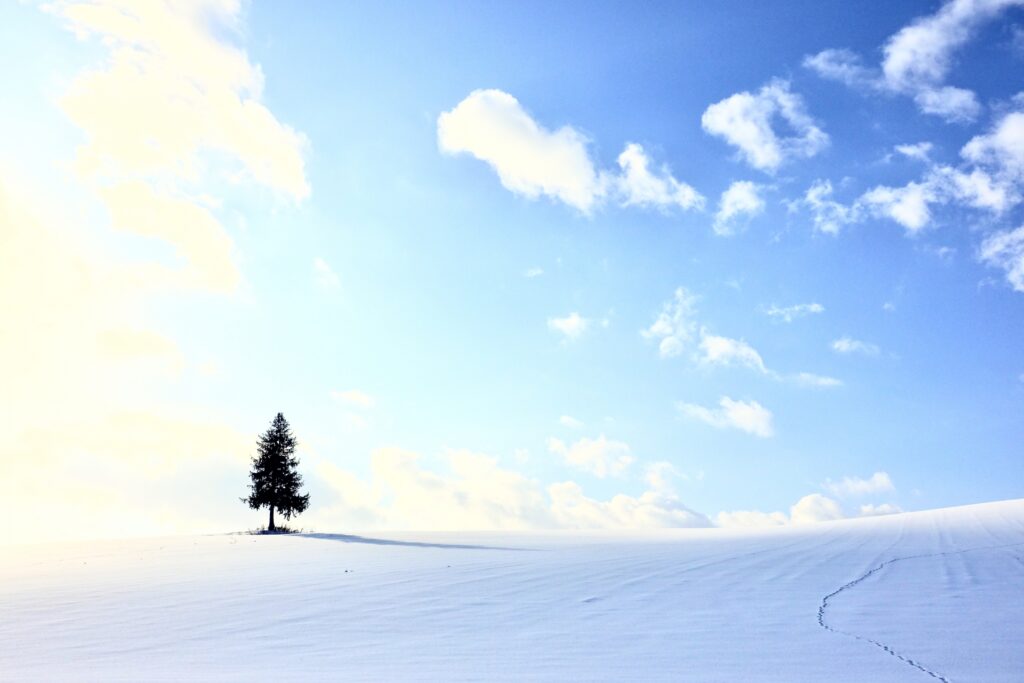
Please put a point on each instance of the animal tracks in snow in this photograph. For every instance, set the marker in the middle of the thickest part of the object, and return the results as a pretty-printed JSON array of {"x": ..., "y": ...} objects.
[{"x": 823, "y": 607}]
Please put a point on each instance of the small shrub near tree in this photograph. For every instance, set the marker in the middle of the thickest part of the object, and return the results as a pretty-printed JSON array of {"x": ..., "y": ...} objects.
[{"x": 275, "y": 477}]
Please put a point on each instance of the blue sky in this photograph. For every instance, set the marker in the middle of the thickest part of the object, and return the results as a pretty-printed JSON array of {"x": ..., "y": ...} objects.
[{"x": 511, "y": 266}]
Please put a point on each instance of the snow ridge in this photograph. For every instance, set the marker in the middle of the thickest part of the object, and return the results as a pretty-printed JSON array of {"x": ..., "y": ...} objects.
[{"x": 903, "y": 658}]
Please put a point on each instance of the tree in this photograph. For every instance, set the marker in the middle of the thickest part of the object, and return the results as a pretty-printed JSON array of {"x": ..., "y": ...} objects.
[{"x": 275, "y": 479}]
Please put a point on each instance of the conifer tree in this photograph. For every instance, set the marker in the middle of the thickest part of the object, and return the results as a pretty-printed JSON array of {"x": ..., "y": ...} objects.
[{"x": 275, "y": 479}]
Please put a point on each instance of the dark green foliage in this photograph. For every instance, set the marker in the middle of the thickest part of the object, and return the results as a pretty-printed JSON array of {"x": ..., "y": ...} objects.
[{"x": 275, "y": 477}]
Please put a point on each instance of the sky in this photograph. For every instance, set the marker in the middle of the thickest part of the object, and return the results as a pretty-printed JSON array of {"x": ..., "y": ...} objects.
[{"x": 509, "y": 266}]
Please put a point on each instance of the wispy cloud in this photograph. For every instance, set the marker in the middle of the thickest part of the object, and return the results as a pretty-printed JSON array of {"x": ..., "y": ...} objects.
[
  {"x": 1005, "y": 250},
  {"x": 807, "y": 379},
  {"x": 674, "y": 327},
  {"x": 918, "y": 59},
  {"x": 324, "y": 275},
  {"x": 847, "y": 345},
  {"x": 747, "y": 416},
  {"x": 829, "y": 216},
  {"x": 790, "y": 313},
  {"x": 918, "y": 151},
  {"x": 570, "y": 422},
  {"x": 912, "y": 205},
  {"x": 601, "y": 457},
  {"x": 715, "y": 350},
  {"x": 847, "y": 487}
]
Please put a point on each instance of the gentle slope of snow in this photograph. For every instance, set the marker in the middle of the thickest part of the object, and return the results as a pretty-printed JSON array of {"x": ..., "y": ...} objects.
[{"x": 935, "y": 595}]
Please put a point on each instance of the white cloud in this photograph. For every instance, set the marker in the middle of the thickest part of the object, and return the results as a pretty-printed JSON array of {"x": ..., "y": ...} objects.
[
  {"x": 660, "y": 475},
  {"x": 190, "y": 227},
  {"x": 172, "y": 105},
  {"x": 529, "y": 159},
  {"x": 1002, "y": 148},
  {"x": 354, "y": 397},
  {"x": 953, "y": 104},
  {"x": 601, "y": 457},
  {"x": 474, "y": 492},
  {"x": 807, "y": 379},
  {"x": 1005, "y": 250},
  {"x": 841, "y": 65},
  {"x": 942, "y": 252},
  {"x": 674, "y": 327},
  {"x": 918, "y": 58},
  {"x": 640, "y": 187},
  {"x": 533, "y": 161},
  {"x": 790, "y": 313},
  {"x": 570, "y": 422},
  {"x": 715, "y": 350},
  {"x": 815, "y": 508},
  {"x": 172, "y": 88},
  {"x": 911, "y": 205},
  {"x": 167, "y": 110},
  {"x": 918, "y": 151},
  {"x": 325, "y": 275},
  {"x": 850, "y": 345},
  {"x": 649, "y": 510},
  {"x": 829, "y": 216},
  {"x": 809, "y": 509},
  {"x": 906, "y": 205},
  {"x": 849, "y": 487},
  {"x": 747, "y": 121},
  {"x": 750, "y": 417},
  {"x": 533, "y": 272},
  {"x": 872, "y": 510},
  {"x": 978, "y": 189},
  {"x": 740, "y": 200},
  {"x": 571, "y": 327}
]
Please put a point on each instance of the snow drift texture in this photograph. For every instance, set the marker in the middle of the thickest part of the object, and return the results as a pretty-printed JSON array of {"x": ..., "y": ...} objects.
[{"x": 914, "y": 597}]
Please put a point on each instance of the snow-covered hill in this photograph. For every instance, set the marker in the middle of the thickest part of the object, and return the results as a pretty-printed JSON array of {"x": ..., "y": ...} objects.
[{"x": 935, "y": 595}]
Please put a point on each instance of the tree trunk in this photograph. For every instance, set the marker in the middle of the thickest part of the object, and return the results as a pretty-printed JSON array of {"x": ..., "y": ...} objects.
[{"x": 271, "y": 527}]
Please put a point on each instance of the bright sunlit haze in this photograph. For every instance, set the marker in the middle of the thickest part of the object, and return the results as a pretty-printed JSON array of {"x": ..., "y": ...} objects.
[{"x": 509, "y": 266}]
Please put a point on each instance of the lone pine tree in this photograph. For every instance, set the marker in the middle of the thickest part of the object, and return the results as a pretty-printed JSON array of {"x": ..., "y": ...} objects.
[{"x": 275, "y": 479}]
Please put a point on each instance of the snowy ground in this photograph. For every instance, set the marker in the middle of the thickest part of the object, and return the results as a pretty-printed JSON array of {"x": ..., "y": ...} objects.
[{"x": 941, "y": 598}]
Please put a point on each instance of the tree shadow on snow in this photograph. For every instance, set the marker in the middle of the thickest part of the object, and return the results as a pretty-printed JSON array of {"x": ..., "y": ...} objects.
[{"x": 347, "y": 538}]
